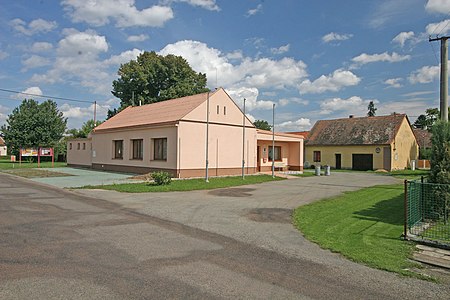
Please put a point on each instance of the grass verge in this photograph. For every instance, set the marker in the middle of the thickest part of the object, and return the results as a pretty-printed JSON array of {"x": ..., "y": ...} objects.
[
  {"x": 7, "y": 165},
  {"x": 364, "y": 226},
  {"x": 186, "y": 184},
  {"x": 35, "y": 173}
]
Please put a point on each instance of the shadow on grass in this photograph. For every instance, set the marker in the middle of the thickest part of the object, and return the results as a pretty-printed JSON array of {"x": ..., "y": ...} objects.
[{"x": 388, "y": 211}]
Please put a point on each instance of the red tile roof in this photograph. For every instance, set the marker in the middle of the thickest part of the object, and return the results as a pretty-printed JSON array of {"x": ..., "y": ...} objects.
[
  {"x": 156, "y": 113},
  {"x": 379, "y": 130},
  {"x": 302, "y": 133},
  {"x": 2, "y": 141}
]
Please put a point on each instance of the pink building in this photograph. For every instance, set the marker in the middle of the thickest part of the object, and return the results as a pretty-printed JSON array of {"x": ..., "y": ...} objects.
[{"x": 171, "y": 136}]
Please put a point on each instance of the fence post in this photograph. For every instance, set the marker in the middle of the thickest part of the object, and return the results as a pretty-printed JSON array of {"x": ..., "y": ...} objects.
[{"x": 405, "y": 226}]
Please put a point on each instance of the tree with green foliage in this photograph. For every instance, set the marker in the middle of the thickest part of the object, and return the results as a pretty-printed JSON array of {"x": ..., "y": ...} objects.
[
  {"x": 85, "y": 129},
  {"x": 262, "y": 124},
  {"x": 152, "y": 78},
  {"x": 33, "y": 125},
  {"x": 372, "y": 109},
  {"x": 427, "y": 120},
  {"x": 440, "y": 167}
]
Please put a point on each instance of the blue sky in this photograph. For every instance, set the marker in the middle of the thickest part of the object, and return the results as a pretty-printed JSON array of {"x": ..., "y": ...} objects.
[{"x": 313, "y": 59}]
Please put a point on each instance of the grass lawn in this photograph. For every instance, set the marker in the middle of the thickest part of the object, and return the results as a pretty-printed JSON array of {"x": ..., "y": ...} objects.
[
  {"x": 186, "y": 184},
  {"x": 364, "y": 226},
  {"x": 6, "y": 165}
]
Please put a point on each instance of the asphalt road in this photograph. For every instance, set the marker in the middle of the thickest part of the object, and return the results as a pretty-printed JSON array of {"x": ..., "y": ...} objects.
[{"x": 57, "y": 244}]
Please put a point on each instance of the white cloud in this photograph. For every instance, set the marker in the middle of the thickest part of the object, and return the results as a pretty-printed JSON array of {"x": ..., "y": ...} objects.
[
  {"x": 254, "y": 11},
  {"x": 333, "y": 82},
  {"x": 332, "y": 36},
  {"x": 30, "y": 92},
  {"x": 425, "y": 74},
  {"x": 35, "y": 26},
  {"x": 77, "y": 57},
  {"x": 351, "y": 106},
  {"x": 441, "y": 28},
  {"x": 41, "y": 47},
  {"x": 3, "y": 55},
  {"x": 206, "y": 4},
  {"x": 77, "y": 112},
  {"x": 251, "y": 98},
  {"x": 438, "y": 6},
  {"x": 4, "y": 111},
  {"x": 296, "y": 125},
  {"x": 394, "y": 82},
  {"x": 263, "y": 72},
  {"x": 34, "y": 61},
  {"x": 280, "y": 50},
  {"x": 402, "y": 37},
  {"x": 286, "y": 101},
  {"x": 137, "y": 38},
  {"x": 236, "y": 55},
  {"x": 370, "y": 58},
  {"x": 123, "y": 57},
  {"x": 123, "y": 12}
]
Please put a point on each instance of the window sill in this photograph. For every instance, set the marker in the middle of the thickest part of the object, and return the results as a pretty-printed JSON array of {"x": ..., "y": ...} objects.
[
  {"x": 136, "y": 159},
  {"x": 117, "y": 158},
  {"x": 158, "y": 160}
]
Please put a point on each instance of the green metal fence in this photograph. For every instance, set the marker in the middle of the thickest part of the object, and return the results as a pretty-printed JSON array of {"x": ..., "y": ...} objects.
[{"x": 427, "y": 212}]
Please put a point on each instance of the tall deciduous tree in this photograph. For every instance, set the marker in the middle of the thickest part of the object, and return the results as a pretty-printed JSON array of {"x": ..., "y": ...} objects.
[
  {"x": 262, "y": 124},
  {"x": 34, "y": 125},
  {"x": 85, "y": 129},
  {"x": 153, "y": 78},
  {"x": 371, "y": 109}
]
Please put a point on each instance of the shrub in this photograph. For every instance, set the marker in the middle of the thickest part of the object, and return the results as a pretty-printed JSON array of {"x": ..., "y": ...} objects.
[
  {"x": 162, "y": 178},
  {"x": 440, "y": 167}
]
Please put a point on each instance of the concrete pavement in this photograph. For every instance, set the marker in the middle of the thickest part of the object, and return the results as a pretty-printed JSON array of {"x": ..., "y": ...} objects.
[{"x": 82, "y": 177}]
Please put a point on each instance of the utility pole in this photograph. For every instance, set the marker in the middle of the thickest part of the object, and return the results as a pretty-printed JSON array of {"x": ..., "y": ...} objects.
[
  {"x": 273, "y": 140},
  {"x": 207, "y": 140},
  {"x": 444, "y": 76},
  {"x": 95, "y": 112},
  {"x": 243, "y": 143}
]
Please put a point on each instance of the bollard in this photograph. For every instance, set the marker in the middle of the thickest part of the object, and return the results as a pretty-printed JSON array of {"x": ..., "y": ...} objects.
[
  {"x": 413, "y": 165},
  {"x": 327, "y": 170},
  {"x": 317, "y": 171}
]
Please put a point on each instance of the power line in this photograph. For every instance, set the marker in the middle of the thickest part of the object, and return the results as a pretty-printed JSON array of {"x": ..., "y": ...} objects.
[{"x": 45, "y": 96}]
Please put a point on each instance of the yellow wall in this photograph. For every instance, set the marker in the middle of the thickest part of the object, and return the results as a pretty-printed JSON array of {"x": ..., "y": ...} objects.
[
  {"x": 328, "y": 155},
  {"x": 405, "y": 145}
]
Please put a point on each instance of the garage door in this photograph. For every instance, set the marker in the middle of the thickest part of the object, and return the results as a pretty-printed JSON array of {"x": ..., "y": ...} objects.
[{"x": 362, "y": 162}]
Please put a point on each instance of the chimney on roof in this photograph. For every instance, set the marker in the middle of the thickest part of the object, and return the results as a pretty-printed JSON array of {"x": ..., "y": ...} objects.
[{"x": 350, "y": 117}]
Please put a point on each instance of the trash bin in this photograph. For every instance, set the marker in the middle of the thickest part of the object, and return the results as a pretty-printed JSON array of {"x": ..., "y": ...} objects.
[
  {"x": 413, "y": 165},
  {"x": 317, "y": 171},
  {"x": 327, "y": 170}
]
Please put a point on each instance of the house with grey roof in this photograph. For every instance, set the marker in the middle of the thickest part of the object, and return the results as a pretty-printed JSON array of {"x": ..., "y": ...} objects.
[{"x": 363, "y": 143}]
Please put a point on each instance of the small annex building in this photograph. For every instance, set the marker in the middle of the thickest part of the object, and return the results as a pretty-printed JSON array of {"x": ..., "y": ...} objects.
[
  {"x": 364, "y": 143},
  {"x": 3, "y": 148},
  {"x": 172, "y": 136}
]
